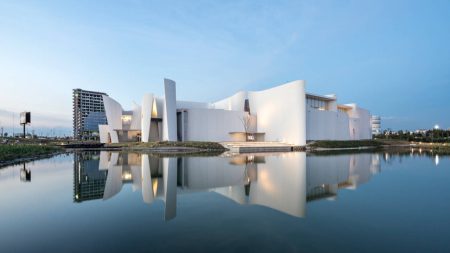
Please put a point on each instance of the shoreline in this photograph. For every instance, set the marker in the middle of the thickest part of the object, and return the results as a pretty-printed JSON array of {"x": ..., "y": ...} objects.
[
  {"x": 166, "y": 149},
  {"x": 29, "y": 159}
]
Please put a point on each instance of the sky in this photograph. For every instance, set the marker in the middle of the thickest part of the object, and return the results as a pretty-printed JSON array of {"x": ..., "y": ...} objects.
[{"x": 390, "y": 57}]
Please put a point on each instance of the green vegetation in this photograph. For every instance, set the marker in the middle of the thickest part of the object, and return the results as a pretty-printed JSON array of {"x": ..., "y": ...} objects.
[
  {"x": 10, "y": 152},
  {"x": 170, "y": 144},
  {"x": 345, "y": 144},
  {"x": 435, "y": 135}
]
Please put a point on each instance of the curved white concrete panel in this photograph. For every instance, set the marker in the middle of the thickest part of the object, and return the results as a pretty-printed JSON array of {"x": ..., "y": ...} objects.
[
  {"x": 233, "y": 103},
  {"x": 281, "y": 184},
  {"x": 147, "y": 190},
  {"x": 146, "y": 111},
  {"x": 281, "y": 112},
  {"x": 136, "y": 119},
  {"x": 170, "y": 187},
  {"x": 170, "y": 111},
  {"x": 113, "y": 112},
  {"x": 103, "y": 131},
  {"x": 113, "y": 183}
]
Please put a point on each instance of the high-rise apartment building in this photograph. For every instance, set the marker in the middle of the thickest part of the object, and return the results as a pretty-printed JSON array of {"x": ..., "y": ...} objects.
[
  {"x": 88, "y": 113},
  {"x": 376, "y": 125}
]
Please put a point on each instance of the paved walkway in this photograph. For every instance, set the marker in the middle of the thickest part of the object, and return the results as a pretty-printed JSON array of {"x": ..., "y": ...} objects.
[{"x": 255, "y": 147}]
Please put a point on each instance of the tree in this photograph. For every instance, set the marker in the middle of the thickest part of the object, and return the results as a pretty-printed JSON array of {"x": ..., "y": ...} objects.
[{"x": 246, "y": 121}]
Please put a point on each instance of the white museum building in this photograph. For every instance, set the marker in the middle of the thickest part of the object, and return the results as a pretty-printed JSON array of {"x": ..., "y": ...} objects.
[{"x": 284, "y": 113}]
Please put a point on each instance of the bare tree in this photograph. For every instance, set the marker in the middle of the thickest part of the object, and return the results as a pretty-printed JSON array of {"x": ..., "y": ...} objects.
[{"x": 246, "y": 121}]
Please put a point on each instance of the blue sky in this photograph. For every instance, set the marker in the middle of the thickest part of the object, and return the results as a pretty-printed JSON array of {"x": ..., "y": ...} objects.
[{"x": 391, "y": 57}]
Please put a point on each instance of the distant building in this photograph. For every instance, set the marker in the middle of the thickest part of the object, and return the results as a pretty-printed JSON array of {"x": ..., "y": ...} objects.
[
  {"x": 376, "y": 125},
  {"x": 421, "y": 131},
  {"x": 88, "y": 113}
]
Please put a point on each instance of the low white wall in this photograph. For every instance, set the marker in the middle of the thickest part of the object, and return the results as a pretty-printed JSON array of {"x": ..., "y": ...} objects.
[
  {"x": 327, "y": 125},
  {"x": 212, "y": 124},
  {"x": 360, "y": 123}
]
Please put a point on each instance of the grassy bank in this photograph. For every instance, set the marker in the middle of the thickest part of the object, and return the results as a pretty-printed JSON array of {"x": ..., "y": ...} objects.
[
  {"x": 17, "y": 151},
  {"x": 200, "y": 145},
  {"x": 345, "y": 144}
]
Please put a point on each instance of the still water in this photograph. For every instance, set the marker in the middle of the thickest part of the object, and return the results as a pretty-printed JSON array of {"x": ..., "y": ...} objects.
[{"x": 290, "y": 202}]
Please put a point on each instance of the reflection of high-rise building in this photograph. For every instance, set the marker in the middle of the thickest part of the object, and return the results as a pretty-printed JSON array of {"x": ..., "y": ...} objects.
[
  {"x": 88, "y": 113},
  {"x": 88, "y": 180}
]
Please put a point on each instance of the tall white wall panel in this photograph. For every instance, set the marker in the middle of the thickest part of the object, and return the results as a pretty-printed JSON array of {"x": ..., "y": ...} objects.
[
  {"x": 113, "y": 112},
  {"x": 136, "y": 120},
  {"x": 281, "y": 112},
  {"x": 103, "y": 132},
  {"x": 146, "y": 111},
  {"x": 170, "y": 111}
]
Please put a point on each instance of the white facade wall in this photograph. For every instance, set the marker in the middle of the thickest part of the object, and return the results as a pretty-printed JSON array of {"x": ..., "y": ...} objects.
[
  {"x": 212, "y": 124},
  {"x": 235, "y": 102},
  {"x": 280, "y": 111},
  {"x": 327, "y": 125},
  {"x": 136, "y": 119},
  {"x": 147, "y": 107},
  {"x": 193, "y": 105},
  {"x": 170, "y": 111},
  {"x": 360, "y": 123},
  {"x": 103, "y": 131},
  {"x": 113, "y": 112}
]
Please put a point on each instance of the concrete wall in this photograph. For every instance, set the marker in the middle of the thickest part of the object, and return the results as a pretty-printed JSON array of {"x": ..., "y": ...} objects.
[
  {"x": 113, "y": 111},
  {"x": 103, "y": 132},
  {"x": 280, "y": 111},
  {"x": 360, "y": 123},
  {"x": 327, "y": 125},
  {"x": 212, "y": 124},
  {"x": 170, "y": 111},
  {"x": 147, "y": 106}
]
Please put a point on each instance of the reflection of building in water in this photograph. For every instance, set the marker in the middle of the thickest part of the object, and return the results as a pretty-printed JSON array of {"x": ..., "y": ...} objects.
[
  {"x": 88, "y": 180},
  {"x": 25, "y": 174},
  {"x": 284, "y": 182},
  {"x": 327, "y": 174}
]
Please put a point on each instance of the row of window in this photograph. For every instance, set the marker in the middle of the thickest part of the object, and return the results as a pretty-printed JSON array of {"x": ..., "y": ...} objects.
[{"x": 316, "y": 103}]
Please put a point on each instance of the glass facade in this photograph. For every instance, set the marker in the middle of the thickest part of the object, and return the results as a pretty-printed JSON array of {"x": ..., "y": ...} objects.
[{"x": 94, "y": 119}]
